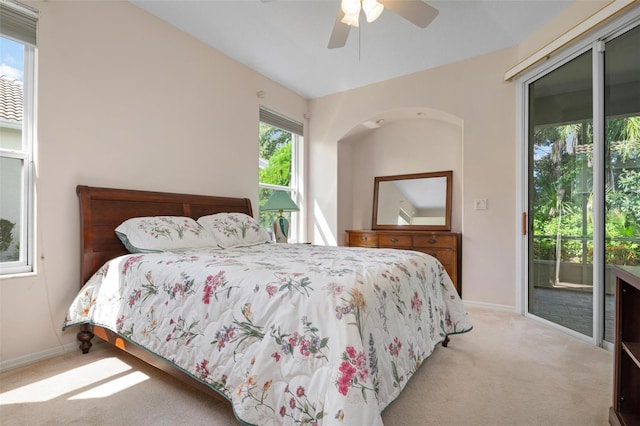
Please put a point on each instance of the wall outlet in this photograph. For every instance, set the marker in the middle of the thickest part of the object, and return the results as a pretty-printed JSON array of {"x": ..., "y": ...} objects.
[{"x": 480, "y": 204}]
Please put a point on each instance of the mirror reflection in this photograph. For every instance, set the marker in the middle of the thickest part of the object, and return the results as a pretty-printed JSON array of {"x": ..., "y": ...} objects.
[
  {"x": 418, "y": 201},
  {"x": 412, "y": 202}
]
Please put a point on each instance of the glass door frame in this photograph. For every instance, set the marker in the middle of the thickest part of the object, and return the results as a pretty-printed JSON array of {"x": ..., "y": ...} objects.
[{"x": 597, "y": 43}]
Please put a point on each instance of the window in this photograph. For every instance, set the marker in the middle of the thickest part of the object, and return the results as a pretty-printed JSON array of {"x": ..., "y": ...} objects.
[
  {"x": 17, "y": 44},
  {"x": 581, "y": 159},
  {"x": 279, "y": 163}
]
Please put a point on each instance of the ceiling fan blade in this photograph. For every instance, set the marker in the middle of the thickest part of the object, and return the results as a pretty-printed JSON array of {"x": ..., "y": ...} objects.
[
  {"x": 415, "y": 11},
  {"x": 340, "y": 32}
]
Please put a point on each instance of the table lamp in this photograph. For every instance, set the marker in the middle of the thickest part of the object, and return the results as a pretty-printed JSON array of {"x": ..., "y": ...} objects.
[{"x": 280, "y": 201}]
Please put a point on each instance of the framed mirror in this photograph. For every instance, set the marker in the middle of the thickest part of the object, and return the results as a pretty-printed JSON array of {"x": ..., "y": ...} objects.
[{"x": 420, "y": 201}]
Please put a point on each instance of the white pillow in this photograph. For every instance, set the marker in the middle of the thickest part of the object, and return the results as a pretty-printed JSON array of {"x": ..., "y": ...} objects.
[
  {"x": 234, "y": 229},
  {"x": 162, "y": 233}
]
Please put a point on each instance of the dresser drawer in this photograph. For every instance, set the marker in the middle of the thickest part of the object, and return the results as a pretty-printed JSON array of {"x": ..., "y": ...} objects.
[
  {"x": 394, "y": 240},
  {"x": 363, "y": 239},
  {"x": 433, "y": 240}
]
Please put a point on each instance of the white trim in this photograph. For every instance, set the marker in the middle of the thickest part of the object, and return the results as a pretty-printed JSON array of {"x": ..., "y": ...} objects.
[
  {"x": 29, "y": 117},
  {"x": 277, "y": 187},
  {"x": 521, "y": 199},
  {"x": 598, "y": 191},
  {"x": 21, "y": 361},
  {"x": 582, "y": 28},
  {"x": 26, "y": 263},
  {"x": 486, "y": 305},
  {"x": 10, "y": 124},
  {"x": 299, "y": 152}
]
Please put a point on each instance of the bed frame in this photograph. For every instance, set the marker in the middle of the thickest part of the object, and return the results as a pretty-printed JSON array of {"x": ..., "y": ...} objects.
[{"x": 101, "y": 211}]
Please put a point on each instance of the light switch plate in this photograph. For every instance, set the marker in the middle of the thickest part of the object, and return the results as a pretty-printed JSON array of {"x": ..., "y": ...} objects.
[{"x": 480, "y": 204}]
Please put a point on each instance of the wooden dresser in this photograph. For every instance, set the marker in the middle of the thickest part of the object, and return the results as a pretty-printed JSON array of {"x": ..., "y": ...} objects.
[{"x": 444, "y": 246}]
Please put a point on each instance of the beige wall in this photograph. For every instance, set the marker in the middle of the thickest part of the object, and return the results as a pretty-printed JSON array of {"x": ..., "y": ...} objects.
[
  {"x": 416, "y": 145},
  {"x": 126, "y": 101},
  {"x": 469, "y": 128}
]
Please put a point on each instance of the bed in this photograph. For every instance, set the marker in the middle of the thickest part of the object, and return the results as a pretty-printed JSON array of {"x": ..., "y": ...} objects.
[{"x": 287, "y": 333}]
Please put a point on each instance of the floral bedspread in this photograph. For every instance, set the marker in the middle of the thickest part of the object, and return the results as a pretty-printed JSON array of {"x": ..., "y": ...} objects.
[{"x": 289, "y": 333}]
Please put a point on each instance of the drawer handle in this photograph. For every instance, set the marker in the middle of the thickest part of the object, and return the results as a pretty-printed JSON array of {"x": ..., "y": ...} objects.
[
  {"x": 432, "y": 241},
  {"x": 394, "y": 240},
  {"x": 363, "y": 238}
]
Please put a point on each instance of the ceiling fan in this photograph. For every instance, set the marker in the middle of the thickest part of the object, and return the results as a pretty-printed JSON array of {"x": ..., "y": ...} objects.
[{"x": 415, "y": 11}]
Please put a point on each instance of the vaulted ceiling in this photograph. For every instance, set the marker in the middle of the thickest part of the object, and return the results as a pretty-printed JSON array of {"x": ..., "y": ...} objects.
[{"x": 286, "y": 40}]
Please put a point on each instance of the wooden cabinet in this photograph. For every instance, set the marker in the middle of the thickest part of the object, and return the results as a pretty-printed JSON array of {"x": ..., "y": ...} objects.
[
  {"x": 626, "y": 379},
  {"x": 444, "y": 246}
]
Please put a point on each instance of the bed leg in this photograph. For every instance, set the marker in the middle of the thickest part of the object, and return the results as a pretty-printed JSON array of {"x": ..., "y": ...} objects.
[
  {"x": 446, "y": 341},
  {"x": 84, "y": 336}
]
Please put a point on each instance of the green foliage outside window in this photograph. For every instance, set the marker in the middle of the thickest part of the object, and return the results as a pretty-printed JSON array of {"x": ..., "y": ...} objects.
[
  {"x": 563, "y": 198},
  {"x": 276, "y": 147},
  {"x": 6, "y": 238},
  {"x": 278, "y": 172}
]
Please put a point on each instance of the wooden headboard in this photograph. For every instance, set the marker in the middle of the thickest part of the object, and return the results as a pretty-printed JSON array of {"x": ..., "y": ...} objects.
[{"x": 103, "y": 209}]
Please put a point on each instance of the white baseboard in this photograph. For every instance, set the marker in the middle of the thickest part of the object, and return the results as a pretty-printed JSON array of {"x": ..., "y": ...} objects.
[
  {"x": 485, "y": 305},
  {"x": 21, "y": 361}
]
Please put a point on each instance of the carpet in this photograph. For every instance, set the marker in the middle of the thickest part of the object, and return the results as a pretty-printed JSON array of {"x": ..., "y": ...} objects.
[{"x": 509, "y": 370}]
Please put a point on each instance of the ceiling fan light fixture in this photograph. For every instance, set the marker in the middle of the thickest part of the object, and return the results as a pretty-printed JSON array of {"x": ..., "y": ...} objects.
[
  {"x": 351, "y": 7},
  {"x": 351, "y": 19},
  {"x": 416, "y": 12},
  {"x": 372, "y": 9}
]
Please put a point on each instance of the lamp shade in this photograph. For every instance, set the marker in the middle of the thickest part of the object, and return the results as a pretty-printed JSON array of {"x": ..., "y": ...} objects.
[{"x": 280, "y": 201}]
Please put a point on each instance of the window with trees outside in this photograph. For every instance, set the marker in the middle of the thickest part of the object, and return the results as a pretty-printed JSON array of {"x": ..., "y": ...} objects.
[
  {"x": 280, "y": 152},
  {"x": 17, "y": 47}
]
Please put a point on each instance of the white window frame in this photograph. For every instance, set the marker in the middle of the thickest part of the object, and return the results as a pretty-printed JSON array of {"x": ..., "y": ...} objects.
[
  {"x": 296, "y": 186},
  {"x": 26, "y": 260}
]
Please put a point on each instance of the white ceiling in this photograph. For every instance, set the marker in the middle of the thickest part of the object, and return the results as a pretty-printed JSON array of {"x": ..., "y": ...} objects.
[{"x": 286, "y": 40}]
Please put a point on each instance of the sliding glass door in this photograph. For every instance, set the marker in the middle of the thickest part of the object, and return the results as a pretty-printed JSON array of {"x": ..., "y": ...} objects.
[
  {"x": 560, "y": 193},
  {"x": 622, "y": 160},
  {"x": 583, "y": 176}
]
